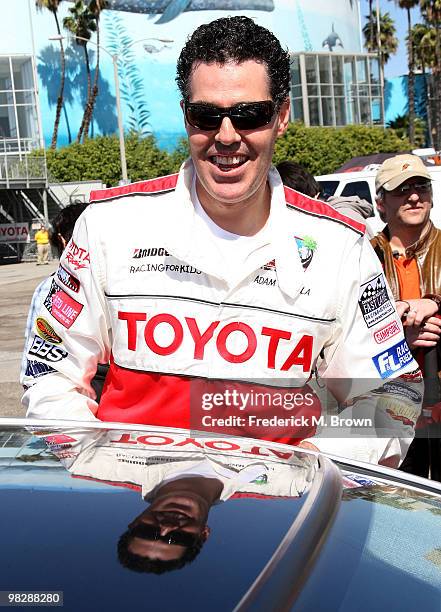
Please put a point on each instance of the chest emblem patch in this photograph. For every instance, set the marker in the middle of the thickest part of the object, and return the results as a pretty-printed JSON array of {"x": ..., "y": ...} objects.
[{"x": 306, "y": 247}]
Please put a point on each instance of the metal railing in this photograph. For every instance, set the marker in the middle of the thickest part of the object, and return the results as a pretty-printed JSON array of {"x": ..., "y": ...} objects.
[
  {"x": 24, "y": 170},
  {"x": 14, "y": 146}
]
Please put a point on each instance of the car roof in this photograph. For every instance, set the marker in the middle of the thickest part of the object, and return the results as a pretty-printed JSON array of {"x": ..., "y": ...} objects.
[{"x": 60, "y": 529}]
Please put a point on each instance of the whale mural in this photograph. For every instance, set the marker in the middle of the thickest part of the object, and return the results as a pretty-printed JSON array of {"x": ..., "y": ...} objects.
[
  {"x": 170, "y": 9},
  {"x": 131, "y": 30},
  {"x": 332, "y": 40}
]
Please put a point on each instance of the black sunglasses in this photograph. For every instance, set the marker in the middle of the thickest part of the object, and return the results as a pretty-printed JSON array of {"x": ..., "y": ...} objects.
[
  {"x": 407, "y": 188},
  {"x": 149, "y": 532},
  {"x": 244, "y": 116}
]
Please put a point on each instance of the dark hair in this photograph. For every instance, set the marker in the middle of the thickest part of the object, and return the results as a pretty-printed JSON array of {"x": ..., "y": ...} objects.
[
  {"x": 141, "y": 564},
  {"x": 295, "y": 176},
  {"x": 64, "y": 222},
  {"x": 235, "y": 39}
]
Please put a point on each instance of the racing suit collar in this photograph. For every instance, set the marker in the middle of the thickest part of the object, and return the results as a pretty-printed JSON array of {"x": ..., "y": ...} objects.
[{"x": 186, "y": 242}]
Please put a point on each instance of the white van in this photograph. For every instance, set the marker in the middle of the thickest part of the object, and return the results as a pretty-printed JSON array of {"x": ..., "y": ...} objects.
[{"x": 362, "y": 184}]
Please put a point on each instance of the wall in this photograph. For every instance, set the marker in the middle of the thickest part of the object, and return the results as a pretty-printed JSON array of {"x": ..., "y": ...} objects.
[{"x": 147, "y": 69}]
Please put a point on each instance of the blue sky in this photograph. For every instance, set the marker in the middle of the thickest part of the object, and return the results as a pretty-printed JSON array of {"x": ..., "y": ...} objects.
[{"x": 397, "y": 65}]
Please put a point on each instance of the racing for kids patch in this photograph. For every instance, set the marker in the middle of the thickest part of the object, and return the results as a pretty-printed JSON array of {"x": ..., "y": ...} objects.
[
  {"x": 374, "y": 301},
  {"x": 393, "y": 359}
]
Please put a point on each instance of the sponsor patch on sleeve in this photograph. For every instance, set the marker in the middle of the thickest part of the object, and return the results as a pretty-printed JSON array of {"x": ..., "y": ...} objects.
[
  {"x": 35, "y": 369},
  {"x": 374, "y": 301},
  {"x": 47, "y": 351},
  {"x": 61, "y": 306},
  {"x": 393, "y": 359},
  {"x": 76, "y": 256},
  {"x": 402, "y": 389},
  {"x": 386, "y": 332},
  {"x": 46, "y": 331},
  {"x": 67, "y": 279},
  {"x": 400, "y": 411}
]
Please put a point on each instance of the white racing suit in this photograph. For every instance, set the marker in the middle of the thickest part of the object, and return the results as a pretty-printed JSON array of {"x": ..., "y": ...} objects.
[
  {"x": 145, "y": 460},
  {"x": 142, "y": 285}
]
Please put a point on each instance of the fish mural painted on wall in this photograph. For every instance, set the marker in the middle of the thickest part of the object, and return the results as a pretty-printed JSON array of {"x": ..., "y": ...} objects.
[{"x": 170, "y": 9}]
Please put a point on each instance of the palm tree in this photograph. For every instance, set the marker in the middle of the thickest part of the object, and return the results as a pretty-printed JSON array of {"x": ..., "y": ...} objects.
[
  {"x": 431, "y": 10},
  {"x": 372, "y": 26},
  {"x": 52, "y": 6},
  {"x": 95, "y": 7},
  {"x": 82, "y": 24},
  {"x": 384, "y": 43},
  {"x": 388, "y": 39},
  {"x": 407, "y": 5},
  {"x": 423, "y": 41}
]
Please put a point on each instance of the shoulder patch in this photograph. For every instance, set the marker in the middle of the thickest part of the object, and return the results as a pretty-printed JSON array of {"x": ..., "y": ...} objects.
[
  {"x": 156, "y": 185},
  {"x": 317, "y": 208}
]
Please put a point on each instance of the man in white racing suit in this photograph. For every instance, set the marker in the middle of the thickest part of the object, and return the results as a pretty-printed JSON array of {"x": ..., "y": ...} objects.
[{"x": 220, "y": 273}]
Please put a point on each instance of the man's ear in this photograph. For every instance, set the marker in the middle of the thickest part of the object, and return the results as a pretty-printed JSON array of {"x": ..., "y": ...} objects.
[
  {"x": 380, "y": 204},
  {"x": 283, "y": 117}
]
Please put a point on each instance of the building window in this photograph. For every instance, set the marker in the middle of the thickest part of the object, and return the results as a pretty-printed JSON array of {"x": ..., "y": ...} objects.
[
  {"x": 19, "y": 131},
  {"x": 335, "y": 89}
]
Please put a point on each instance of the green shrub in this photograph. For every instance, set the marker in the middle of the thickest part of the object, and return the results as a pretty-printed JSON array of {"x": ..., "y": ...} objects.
[
  {"x": 319, "y": 150},
  {"x": 322, "y": 150},
  {"x": 98, "y": 158}
]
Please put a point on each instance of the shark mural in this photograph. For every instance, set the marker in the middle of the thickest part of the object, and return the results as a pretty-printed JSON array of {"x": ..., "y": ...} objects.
[{"x": 170, "y": 9}]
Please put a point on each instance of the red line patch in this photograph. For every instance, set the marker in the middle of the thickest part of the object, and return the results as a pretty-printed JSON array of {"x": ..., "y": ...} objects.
[{"x": 61, "y": 306}]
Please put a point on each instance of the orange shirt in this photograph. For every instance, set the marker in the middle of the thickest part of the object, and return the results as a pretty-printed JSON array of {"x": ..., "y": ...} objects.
[{"x": 408, "y": 277}]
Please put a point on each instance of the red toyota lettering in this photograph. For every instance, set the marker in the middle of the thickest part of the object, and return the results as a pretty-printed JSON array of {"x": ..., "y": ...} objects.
[
  {"x": 275, "y": 335},
  {"x": 301, "y": 354},
  {"x": 221, "y": 342},
  {"x": 200, "y": 340},
  {"x": 132, "y": 318},
  {"x": 150, "y": 330}
]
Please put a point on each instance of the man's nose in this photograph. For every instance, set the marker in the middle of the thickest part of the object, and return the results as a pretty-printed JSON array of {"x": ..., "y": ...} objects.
[
  {"x": 227, "y": 133},
  {"x": 414, "y": 196},
  {"x": 165, "y": 529}
]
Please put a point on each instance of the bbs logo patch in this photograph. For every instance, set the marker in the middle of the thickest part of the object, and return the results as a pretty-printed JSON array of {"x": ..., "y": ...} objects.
[
  {"x": 47, "y": 351},
  {"x": 374, "y": 301}
]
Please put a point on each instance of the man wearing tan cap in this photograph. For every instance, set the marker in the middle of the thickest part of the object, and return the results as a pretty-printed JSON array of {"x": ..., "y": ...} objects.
[{"x": 409, "y": 248}]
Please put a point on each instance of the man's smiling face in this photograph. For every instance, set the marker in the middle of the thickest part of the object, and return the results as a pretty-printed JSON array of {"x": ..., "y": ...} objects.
[{"x": 232, "y": 164}]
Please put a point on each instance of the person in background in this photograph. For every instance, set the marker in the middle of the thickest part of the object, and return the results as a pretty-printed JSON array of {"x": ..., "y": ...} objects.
[
  {"x": 62, "y": 227},
  {"x": 295, "y": 176},
  {"x": 42, "y": 240},
  {"x": 409, "y": 248}
]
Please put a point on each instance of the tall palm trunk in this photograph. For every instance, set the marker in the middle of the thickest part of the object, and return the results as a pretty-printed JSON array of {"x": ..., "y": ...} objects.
[
  {"x": 94, "y": 93},
  {"x": 371, "y": 28},
  {"x": 61, "y": 90},
  {"x": 411, "y": 80},
  {"x": 89, "y": 87},
  {"x": 437, "y": 84}
]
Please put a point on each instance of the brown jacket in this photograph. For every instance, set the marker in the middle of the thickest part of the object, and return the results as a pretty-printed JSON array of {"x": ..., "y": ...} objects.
[{"x": 427, "y": 251}]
